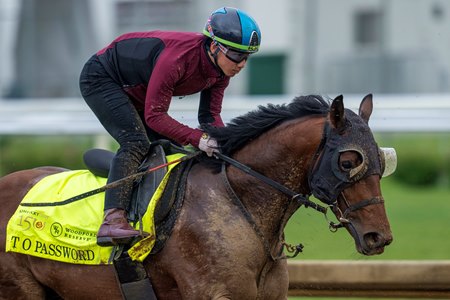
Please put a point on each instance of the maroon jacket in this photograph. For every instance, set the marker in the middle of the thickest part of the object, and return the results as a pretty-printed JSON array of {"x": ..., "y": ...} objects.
[{"x": 154, "y": 66}]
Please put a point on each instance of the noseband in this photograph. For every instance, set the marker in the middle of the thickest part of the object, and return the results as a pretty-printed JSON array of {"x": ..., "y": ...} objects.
[{"x": 343, "y": 217}]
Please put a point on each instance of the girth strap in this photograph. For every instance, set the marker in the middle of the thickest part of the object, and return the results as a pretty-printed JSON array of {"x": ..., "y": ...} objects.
[{"x": 133, "y": 279}]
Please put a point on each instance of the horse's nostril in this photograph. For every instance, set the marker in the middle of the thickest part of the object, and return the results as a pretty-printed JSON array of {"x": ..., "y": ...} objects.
[
  {"x": 374, "y": 240},
  {"x": 388, "y": 241}
]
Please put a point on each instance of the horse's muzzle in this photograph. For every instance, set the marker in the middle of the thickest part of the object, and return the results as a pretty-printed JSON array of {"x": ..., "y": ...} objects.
[{"x": 373, "y": 243}]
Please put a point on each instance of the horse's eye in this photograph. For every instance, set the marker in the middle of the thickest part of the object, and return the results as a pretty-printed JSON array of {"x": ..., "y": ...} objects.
[
  {"x": 346, "y": 165},
  {"x": 349, "y": 161}
]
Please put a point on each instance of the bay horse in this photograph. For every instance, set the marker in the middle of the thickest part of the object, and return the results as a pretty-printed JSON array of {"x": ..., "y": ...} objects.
[{"x": 219, "y": 249}]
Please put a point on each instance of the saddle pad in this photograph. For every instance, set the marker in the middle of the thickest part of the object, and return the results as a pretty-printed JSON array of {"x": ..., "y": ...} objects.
[{"x": 68, "y": 233}]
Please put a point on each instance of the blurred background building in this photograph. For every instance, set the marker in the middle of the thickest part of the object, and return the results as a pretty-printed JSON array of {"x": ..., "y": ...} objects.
[{"x": 323, "y": 46}]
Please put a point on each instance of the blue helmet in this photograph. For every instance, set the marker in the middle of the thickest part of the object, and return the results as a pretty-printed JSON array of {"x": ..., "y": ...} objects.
[{"x": 234, "y": 29}]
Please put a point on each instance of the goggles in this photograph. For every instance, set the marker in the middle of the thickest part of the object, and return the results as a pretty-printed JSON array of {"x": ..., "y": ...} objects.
[{"x": 234, "y": 56}]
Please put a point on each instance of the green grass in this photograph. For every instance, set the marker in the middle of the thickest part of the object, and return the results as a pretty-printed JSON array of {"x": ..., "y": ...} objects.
[
  {"x": 419, "y": 218},
  {"x": 423, "y": 158},
  {"x": 24, "y": 152}
]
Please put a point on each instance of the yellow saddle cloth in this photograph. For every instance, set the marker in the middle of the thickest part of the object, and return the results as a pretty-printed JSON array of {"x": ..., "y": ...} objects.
[{"x": 68, "y": 233}]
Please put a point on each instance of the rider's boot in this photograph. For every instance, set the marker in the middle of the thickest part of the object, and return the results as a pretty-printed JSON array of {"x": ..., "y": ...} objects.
[{"x": 115, "y": 229}]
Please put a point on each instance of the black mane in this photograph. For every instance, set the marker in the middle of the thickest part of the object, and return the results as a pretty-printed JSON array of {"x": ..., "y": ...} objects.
[{"x": 249, "y": 126}]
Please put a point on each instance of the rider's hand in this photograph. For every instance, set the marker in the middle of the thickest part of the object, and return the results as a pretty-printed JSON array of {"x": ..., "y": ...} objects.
[{"x": 208, "y": 144}]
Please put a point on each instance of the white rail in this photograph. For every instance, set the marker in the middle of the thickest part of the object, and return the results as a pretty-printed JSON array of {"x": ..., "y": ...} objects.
[{"x": 392, "y": 113}]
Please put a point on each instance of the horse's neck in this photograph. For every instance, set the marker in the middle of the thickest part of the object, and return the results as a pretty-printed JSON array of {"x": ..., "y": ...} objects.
[{"x": 283, "y": 154}]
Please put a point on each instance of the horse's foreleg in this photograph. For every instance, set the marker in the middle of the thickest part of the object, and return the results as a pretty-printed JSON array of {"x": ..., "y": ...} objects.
[{"x": 276, "y": 282}]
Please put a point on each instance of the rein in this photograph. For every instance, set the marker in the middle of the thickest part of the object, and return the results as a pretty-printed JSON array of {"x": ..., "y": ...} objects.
[
  {"x": 300, "y": 198},
  {"x": 237, "y": 201},
  {"x": 113, "y": 184}
]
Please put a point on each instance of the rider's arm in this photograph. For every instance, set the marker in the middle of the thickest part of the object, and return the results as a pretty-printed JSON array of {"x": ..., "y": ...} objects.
[
  {"x": 159, "y": 95},
  {"x": 211, "y": 103}
]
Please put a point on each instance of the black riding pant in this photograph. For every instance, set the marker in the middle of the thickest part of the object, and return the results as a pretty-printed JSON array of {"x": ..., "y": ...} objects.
[{"x": 120, "y": 118}]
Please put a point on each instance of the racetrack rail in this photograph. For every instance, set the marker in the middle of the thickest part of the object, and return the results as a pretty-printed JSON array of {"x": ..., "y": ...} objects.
[
  {"x": 65, "y": 116},
  {"x": 379, "y": 279}
]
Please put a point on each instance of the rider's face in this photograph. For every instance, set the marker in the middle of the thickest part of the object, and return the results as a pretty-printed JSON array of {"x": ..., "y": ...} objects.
[{"x": 227, "y": 65}]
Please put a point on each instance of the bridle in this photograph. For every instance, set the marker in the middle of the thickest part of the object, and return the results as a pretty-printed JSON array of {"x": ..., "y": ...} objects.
[
  {"x": 343, "y": 216},
  {"x": 296, "y": 198}
]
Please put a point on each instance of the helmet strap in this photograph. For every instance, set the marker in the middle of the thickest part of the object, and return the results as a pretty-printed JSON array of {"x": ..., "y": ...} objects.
[{"x": 215, "y": 55}]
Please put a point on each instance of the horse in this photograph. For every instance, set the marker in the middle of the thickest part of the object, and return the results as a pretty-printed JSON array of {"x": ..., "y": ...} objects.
[{"x": 228, "y": 240}]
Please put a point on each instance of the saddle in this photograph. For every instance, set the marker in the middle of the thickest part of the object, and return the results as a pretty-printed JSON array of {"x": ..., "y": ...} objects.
[
  {"x": 98, "y": 161},
  {"x": 133, "y": 279}
]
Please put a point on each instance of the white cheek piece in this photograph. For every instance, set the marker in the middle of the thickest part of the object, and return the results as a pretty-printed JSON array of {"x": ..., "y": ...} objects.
[{"x": 390, "y": 160}]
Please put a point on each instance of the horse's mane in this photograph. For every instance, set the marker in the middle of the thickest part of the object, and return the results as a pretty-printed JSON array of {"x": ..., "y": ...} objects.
[{"x": 244, "y": 128}]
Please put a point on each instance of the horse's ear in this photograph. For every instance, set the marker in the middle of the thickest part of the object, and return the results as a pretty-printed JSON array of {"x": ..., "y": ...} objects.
[
  {"x": 337, "y": 117},
  {"x": 365, "y": 108}
]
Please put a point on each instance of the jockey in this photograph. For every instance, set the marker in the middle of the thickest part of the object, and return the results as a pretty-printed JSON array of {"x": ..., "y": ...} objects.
[{"x": 129, "y": 86}]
